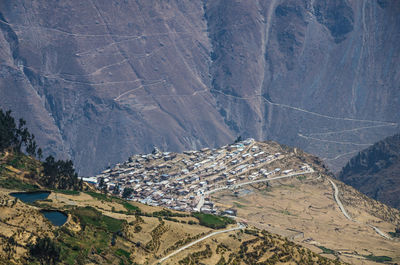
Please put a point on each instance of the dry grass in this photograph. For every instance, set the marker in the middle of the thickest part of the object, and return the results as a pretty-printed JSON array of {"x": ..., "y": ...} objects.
[{"x": 308, "y": 206}]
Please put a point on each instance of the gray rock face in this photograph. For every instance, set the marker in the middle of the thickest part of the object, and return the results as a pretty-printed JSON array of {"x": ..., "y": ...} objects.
[{"x": 99, "y": 80}]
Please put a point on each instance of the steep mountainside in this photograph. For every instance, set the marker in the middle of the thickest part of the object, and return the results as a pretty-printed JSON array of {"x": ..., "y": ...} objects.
[
  {"x": 375, "y": 171},
  {"x": 99, "y": 80}
]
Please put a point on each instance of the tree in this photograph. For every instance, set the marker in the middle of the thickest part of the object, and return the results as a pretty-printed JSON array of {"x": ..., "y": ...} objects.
[
  {"x": 101, "y": 182},
  {"x": 31, "y": 146},
  {"x": 127, "y": 193},
  {"x": 397, "y": 232},
  {"x": 155, "y": 150},
  {"x": 239, "y": 139},
  {"x": 104, "y": 189},
  {"x": 50, "y": 170},
  {"x": 22, "y": 135},
  {"x": 40, "y": 153},
  {"x": 45, "y": 251},
  {"x": 116, "y": 190},
  {"x": 13, "y": 136},
  {"x": 8, "y": 130},
  {"x": 60, "y": 174}
]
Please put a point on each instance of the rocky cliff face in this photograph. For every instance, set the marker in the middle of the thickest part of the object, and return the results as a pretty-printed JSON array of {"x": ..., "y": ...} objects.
[
  {"x": 375, "y": 171},
  {"x": 105, "y": 79}
]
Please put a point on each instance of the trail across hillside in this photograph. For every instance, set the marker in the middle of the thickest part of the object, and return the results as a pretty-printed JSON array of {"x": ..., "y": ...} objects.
[
  {"x": 339, "y": 203},
  {"x": 364, "y": 124},
  {"x": 240, "y": 226},
  {"x": 343, "y": 210}
]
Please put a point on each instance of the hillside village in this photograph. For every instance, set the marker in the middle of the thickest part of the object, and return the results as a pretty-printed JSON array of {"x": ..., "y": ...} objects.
[
  {"x": 268, "y": 188},
  {"x": 184, "y": 181}
]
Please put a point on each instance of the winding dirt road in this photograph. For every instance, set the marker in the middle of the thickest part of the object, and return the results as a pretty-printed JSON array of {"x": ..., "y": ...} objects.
[
  {"x": 343, "y": 210},
  {"x": 240, "y": 226}
]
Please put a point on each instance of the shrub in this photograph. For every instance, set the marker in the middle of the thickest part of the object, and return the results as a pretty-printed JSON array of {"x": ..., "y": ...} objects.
[
  {"x": 45, "y": 251},
  {"x": 213, "y": 221}
]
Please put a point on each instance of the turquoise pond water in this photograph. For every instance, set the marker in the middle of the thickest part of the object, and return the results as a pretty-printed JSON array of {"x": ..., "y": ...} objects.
[
  {"x": 31, "y": 196},
  {"x": 55, "y": 217}
]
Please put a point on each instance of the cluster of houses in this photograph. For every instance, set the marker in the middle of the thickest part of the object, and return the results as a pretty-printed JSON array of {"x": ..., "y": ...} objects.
[{"x": 179, "y": 181}]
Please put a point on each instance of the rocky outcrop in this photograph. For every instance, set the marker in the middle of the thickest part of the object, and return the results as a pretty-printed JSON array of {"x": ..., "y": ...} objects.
[
  {"x": 105, "y": 79},
  {"x": 337, "y": 16},
  {"x": 375, "y": 171}
]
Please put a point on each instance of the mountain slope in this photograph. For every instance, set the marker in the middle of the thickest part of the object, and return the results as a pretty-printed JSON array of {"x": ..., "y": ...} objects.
[
  {"x": 101, "y": 229},
  {"x": 299, "y": 201},
  {"x": 375, "y": 171},
  {"x": 269, "y": 186},
  {"x": 100, "y": 80}
]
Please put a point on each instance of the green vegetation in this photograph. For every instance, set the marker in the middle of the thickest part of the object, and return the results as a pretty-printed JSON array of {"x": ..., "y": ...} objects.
[
  {"x": 121, "y": 252},
  {"x": 130, "y": 207},
  {"x": 67, "y": 192},
  {"x": 137, "y": 229},
  {"x": 127, "y": 193},
  {"x": 15, "y": 137},
  {"x": 45, "y": 251},
  {"x": 17, "y": 161},
  {"x": 16, "y": 141},
  {"x": 238, "y": 139},
  {"x": 183, "y": 242},
  {"x": 213, "y": 221},
  {"x": 13, "y": 183},
  {"x": 195, "y": 257},
  {"x": 285, "y": 212},
  {"x": 166, "y": 213},
  {"x": 301, "y": 177},
  {"x": 76, "y": 246},
  {"x": 251, "y": 232},
  {"x": 156, "y": 233},
  {"x": 171, "y": 219},
  {"x": 27, "y": 167},
  {"x": 99, "y": 196},
  {"x": 113, "y": 225},
  {"x": 89, "y": 216},
  {"x": 280, "y": 250},
  {"x": 378, "y": 258},
  {"x": 60, "y": 174},
  {"x": 396, "y": 232},
  {"x": 326, "y": 250},
  {"x": 97, "y": 236},
  {"x": 108, "y": 198}
]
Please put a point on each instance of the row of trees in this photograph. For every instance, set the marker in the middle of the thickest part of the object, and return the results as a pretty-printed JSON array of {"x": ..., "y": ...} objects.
[
  {"x": 126, "y": 193},
  {"x": 58, "y": 174},
  {"x": 45, "y": 251},
  {"x": 16, "y": 137}
]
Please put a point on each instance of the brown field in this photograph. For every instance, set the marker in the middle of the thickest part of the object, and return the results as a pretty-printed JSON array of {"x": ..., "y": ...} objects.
[
  {"x": 307, "y": 207},
  {"x": 157, "y": 236}
]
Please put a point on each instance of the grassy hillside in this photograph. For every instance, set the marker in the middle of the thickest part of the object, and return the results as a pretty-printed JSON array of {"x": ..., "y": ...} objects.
[
  {"x": 102, "y": 232},
  {"x": 19, "y": 171},
  {"x": 23, "y": 172}
]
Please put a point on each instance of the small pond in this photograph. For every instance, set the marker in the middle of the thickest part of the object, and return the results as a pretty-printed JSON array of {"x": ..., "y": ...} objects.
[
  {"x": 31, "y": 196},
  {"x": 55, "y": 217}
]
